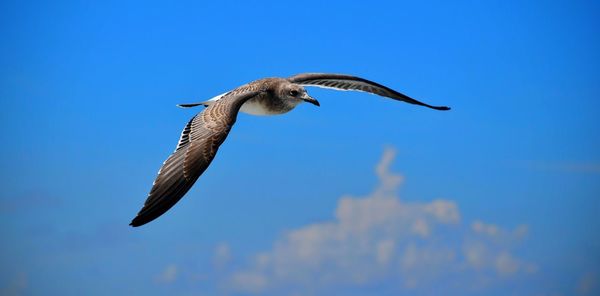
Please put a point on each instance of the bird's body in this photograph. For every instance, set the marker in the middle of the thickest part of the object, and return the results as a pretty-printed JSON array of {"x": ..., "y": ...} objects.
[
  {"x": 264, "y": 103},
  {"x": 267, "y": 103},
  {"x": 206, "y": 131}
]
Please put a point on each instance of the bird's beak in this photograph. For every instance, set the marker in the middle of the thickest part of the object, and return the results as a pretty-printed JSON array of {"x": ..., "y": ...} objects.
[{"x": 311, "y": 100}]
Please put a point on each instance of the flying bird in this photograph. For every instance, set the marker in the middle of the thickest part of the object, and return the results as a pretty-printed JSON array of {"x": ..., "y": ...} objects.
[{"x": 205, "y": 132}]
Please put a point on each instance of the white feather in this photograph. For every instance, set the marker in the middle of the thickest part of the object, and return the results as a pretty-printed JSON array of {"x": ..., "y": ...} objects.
[{"x": 213, "y": 99}]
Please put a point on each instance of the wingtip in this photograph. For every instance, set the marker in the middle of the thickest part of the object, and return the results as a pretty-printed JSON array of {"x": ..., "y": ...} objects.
[
  {"x": 135, "y": 222},
  {"x": 442, "y": 108}
]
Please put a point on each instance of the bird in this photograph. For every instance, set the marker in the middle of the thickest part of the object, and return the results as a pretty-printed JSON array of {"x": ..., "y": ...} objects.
[{"x": 207, "y": 130}]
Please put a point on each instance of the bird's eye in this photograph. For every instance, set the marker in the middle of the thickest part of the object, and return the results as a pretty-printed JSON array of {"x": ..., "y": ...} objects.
[{"x": 293, "y": 93}]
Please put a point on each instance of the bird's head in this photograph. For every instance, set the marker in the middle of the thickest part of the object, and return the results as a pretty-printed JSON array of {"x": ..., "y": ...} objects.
[{"x": 296, "y": 93}]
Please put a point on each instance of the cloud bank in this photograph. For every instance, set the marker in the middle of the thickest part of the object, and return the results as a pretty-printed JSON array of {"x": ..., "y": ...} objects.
[{"x": 384, "y": 243}]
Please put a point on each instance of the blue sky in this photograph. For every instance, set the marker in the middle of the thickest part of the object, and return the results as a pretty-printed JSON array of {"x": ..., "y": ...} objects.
[{"x": 498, "y": 196}]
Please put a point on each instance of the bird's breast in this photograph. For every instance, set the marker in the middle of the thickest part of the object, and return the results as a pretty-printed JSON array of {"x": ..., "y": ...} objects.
[{"x": 265, "y": 105}]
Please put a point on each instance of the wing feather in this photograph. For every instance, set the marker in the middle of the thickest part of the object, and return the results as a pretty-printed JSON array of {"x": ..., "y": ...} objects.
[
  {"x": 347, "y": 82},
  {"x": 197, "y": 147}
]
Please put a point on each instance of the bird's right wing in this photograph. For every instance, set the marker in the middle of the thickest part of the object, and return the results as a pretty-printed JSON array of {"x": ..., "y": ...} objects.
[
  {"x": 347, "y": 82},
  {"x": 197, "y": 147}
]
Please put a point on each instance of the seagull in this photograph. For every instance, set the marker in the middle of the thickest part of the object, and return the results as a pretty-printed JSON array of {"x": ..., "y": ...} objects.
[{"x": 205, "y": 132}]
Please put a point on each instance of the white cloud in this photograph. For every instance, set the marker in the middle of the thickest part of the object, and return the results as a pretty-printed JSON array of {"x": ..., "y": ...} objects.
[
  {"x": 475, "y": 254},
  {"x": 388, "y": 182},
  {"x": 480, "y": 227},
  {"x": 496, "y": 232},
  {"x": 380, "y": 239},
  {"x": 168, "y": 275},
  {"x": 480, "y": 255},
  {"x": 249, "y": 281},
  {"x": 222, "y": 255},
  {"x": 385, "y": 251},
  {"x": 506, "y": 264}
]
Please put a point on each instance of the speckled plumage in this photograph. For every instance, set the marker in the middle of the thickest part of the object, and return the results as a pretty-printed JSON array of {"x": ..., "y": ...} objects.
[{"x": 205, "y": 132}]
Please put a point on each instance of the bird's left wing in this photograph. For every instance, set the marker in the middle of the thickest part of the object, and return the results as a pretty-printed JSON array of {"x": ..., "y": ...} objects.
[
  {"x": 197, "y": 147},
  {"x": 347, "y": 82}
]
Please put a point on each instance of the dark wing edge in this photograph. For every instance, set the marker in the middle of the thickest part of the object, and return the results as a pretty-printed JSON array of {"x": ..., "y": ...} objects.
[
  {"x": 347, "y": 82},
  {"x": 191, "y": 105},
  {"x": 197, "y": 147}
]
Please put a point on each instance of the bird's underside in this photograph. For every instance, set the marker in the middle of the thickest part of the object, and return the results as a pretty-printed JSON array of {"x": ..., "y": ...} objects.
[{"x": 205, "y": 132}]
